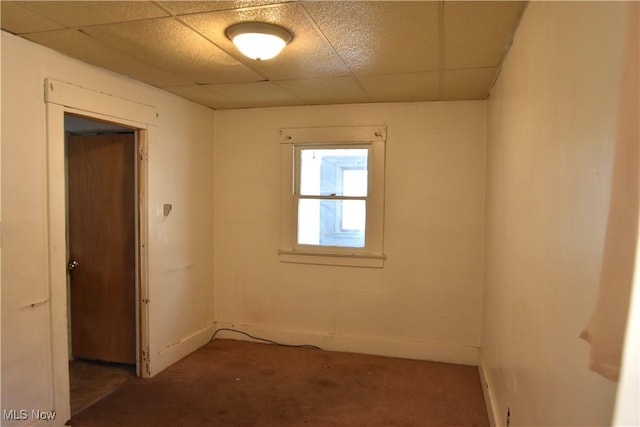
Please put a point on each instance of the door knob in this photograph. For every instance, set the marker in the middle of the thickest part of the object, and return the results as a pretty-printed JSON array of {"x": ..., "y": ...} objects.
[{"x": 72, "y": 265}]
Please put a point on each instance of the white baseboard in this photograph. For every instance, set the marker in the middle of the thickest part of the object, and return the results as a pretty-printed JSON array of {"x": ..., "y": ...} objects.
[
  {"x": 380, "y": 346},
  {"x": 486, "y": 391},
  {"x": 170, "y": 354}
]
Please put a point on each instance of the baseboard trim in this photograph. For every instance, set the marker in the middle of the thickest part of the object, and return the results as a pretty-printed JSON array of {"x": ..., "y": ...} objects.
[
  {"x": 380, "y": 346},
  {"x": 486, "y": 391},
  {"x": 170, "y": 354}
]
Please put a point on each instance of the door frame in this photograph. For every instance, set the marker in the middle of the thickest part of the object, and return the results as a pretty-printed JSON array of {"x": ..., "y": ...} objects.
[{"x": 60, "y": 98}]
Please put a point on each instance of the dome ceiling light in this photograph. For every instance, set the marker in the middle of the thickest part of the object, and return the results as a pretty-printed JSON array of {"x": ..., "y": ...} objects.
[{"x": 258, "y": 40}]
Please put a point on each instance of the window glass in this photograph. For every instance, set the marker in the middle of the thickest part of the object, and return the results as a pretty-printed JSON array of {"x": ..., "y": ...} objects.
[
  {"x": 354, "y": 182},
  {"x": 333, "y": 185},
  {"x": 354, "y": 215},
  {"x": 331, "y": 222},
  {"x": 333, "y": 171}
]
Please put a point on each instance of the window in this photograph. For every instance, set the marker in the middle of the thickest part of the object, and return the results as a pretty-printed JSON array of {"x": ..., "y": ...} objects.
[
  {"x": 331, "y": 190},
  {"x": 332, "y": 197}
]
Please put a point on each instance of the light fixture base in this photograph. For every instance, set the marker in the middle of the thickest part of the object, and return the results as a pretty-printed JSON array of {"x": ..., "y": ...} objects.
[{"x": 258, "y": 40}]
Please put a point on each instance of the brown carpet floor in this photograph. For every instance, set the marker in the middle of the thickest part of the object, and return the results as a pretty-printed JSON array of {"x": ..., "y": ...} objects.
[{"x": 236, "y": 383}]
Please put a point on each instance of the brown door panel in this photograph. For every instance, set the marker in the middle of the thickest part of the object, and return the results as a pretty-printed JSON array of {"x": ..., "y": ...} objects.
[{"x": 101, "y": 206}]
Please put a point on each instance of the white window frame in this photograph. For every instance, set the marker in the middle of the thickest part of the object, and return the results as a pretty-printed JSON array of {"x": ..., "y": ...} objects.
[{"x": 291, "y": 141}]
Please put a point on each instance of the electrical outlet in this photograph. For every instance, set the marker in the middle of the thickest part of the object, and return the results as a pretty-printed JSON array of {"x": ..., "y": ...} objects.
[{"x": 508, "y": 416}]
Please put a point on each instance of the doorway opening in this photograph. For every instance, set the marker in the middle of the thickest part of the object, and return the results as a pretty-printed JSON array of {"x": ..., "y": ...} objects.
[{"x": 103, "y": 280}]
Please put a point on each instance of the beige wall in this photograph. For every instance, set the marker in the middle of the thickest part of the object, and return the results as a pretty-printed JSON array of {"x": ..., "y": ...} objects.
[
  {"x": 180, "y": 248},
  {"x": 425, "y": 302},
  {"x": 551, "y": 128}
]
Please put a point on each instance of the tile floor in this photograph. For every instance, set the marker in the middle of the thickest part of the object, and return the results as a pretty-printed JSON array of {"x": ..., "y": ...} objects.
[{"x": 90, "y": 381}]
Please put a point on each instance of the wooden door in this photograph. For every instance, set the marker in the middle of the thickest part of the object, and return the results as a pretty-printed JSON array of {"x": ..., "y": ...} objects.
[{"x": 102, "y": 218}]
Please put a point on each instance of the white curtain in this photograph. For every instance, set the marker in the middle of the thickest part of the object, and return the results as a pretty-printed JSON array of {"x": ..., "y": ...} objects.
[{"x": 606, "y": 330}]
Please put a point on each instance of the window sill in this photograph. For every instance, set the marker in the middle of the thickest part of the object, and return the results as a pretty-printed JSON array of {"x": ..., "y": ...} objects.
[{"x": 336, "y": 259}]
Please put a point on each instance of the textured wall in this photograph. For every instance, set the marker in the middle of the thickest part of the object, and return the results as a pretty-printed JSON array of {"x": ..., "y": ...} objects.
[{"x": 551, "y": 131}]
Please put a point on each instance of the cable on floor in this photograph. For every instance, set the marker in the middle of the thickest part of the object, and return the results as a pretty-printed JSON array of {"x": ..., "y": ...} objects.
[{"x": 263, "y": 339}]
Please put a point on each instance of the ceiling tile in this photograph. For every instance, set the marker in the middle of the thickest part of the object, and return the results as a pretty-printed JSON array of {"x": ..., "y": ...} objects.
[
  {"x": 170, "y": 46},
  {"x": 326, "y": 91},
  {"x": 477, "y": 33},
  {"x": 82, "y": 13},
  {"x": 188, "y": 7},
  {"x": 199, "y": 94},
  {"x": 307, "y": 55},
  {"x": 473, "y": 83},
  {"x": 381, "y": 37},
  {"x": 256, "y": 94},
  {"x": 76, "y": 44},
  {"x": 403, "y": 87},
  {"x": 19, "y": 20}
]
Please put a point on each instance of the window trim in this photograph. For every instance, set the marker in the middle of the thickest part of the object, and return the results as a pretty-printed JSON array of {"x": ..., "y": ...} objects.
[{"x": 372, "y": 255}]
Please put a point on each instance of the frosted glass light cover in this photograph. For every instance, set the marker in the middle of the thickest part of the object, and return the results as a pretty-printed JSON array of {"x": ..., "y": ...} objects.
[
  {"x": 259, "y": 46},
  {"x": 258, "y": 40}
]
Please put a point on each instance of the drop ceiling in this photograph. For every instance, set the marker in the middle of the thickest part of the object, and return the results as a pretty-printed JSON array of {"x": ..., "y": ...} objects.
[{"x": 341, "y": 52}]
